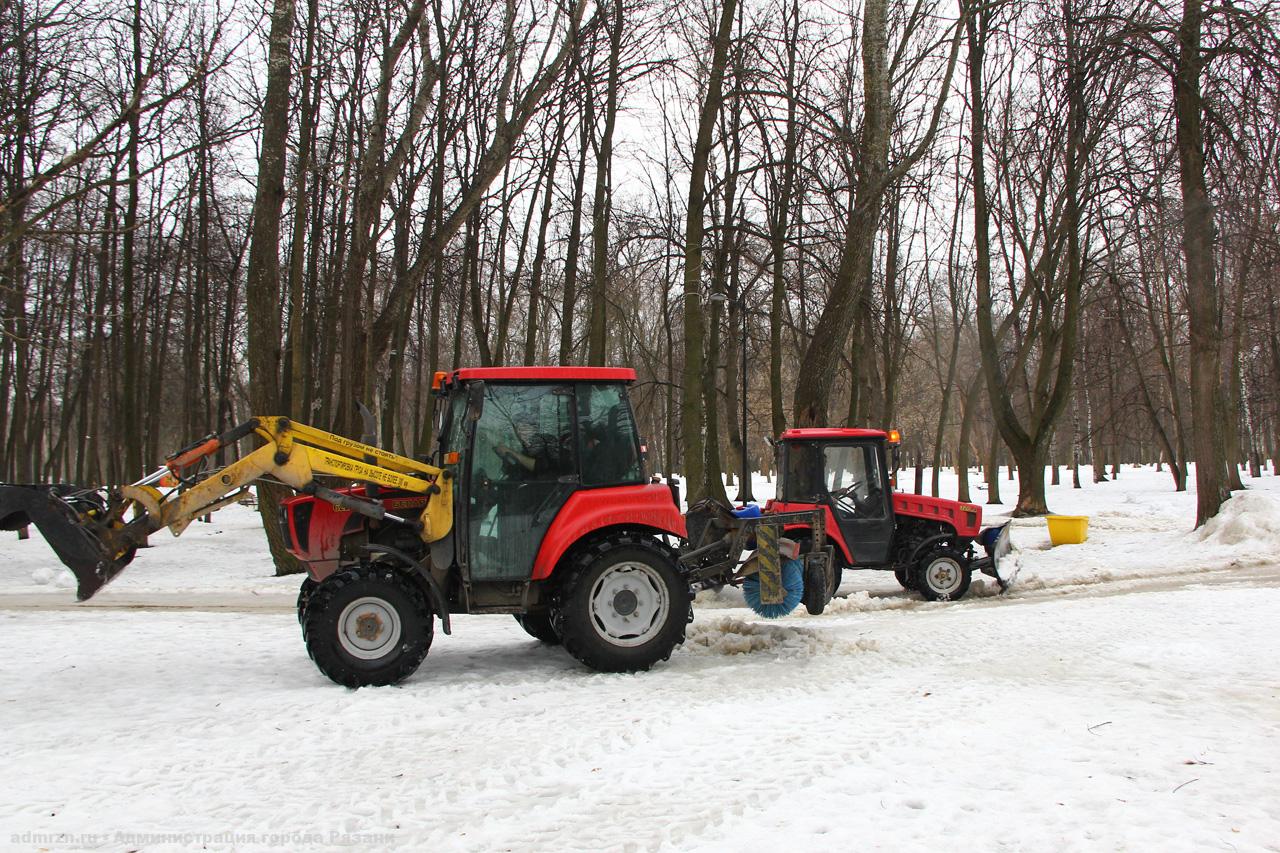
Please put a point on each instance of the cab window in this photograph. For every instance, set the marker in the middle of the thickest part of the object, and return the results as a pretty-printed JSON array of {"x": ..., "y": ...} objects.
[
  {"x": 524, "y": 434},
  {"x": 453, "y": 432},
  {"x": 801, "y": 483},
  {"x": 607, "y": 438},
  {"x": 852, "y": 478}
]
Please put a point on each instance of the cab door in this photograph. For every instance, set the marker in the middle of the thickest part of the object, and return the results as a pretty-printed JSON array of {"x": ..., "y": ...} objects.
[
  {"x": 859, "y": 496},
  {"x": 522, "y": 468}
]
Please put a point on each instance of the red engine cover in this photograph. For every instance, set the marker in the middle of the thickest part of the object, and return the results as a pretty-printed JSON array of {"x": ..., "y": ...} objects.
[
  {"x": 965, "y": 518},
  {"x": 315, "y": 528}
]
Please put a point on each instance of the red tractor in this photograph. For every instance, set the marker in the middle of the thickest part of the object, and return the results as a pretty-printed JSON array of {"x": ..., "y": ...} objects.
[
  {"x": 928, "y": 542},
  {"x": 555, "y": 522}
]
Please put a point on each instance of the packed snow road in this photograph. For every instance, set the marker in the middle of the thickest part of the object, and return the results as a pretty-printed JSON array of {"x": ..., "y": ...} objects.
[
  {"x": 1124, "y": 695},
  {"x": 1145, "y": 721}
]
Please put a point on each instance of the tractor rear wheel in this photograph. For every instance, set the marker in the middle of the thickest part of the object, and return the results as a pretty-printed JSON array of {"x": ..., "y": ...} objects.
[
  {"x": 943, "y": 574},
  {"x": 368, "y": 626},
  {"x": 539, "y": 626},
  {"x": 818, "y": 588},
  {"x": 814, "y": 602},
  {"x": 623, "y": 606}
]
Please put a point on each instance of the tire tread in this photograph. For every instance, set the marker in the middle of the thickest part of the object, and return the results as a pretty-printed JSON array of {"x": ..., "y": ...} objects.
[
  {"x": 577, "y": 638},
  {"x": 327, "y": 654}
]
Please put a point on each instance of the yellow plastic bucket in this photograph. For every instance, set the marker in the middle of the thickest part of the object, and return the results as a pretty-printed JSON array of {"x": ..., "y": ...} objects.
[{"x": 1068, "y": 529}]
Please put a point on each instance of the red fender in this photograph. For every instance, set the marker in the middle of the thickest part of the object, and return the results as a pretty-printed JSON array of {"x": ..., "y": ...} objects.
[{"x": 588, "y": 510}]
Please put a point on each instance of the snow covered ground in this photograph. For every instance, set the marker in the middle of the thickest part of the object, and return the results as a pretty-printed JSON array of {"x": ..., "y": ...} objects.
[{"x": 1124, "y": 695}]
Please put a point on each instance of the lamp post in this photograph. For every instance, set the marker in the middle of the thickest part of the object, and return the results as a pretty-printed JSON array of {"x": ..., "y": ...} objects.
[{"x": 744, "y": 473}]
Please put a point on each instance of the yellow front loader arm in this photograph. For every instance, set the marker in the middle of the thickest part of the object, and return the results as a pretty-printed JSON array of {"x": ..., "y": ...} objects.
[
  {"x": 95, "y": 540},
  {"x": 296, "y": 454}
]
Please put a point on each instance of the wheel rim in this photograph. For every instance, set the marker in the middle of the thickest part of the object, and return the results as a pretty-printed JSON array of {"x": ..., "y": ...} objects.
[
  {"x": 369, "y": 628},
  {"x": 629, "y": 604},
  {"x": 943, "y": 575}
]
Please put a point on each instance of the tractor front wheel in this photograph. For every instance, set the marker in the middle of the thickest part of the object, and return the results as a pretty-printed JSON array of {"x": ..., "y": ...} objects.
[
  {"x": 368, "y": 626},
  {"x": 623, "y": 606},
  {"x": 943, "y": 574},
  {"x": 304, "y": 598},
  {"x": 539, "y": 626}
]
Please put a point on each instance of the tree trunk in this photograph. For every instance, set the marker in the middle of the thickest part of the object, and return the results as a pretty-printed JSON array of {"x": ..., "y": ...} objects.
[
  {"x": 813, "y": 385},
  {"x": 262, "y": 286},
  {"x": 1198, "y": 232},
  {"x": 966, "y": 432},
  {"x": 991, "y": 469},
  {"x": 700, "y": 481},
  {"x": 570, "y": 294},
  {"x": 602, "y": 206},
  {"x": 778, "y": 228},
  {"x": 299, "y": 350},
  {"x": 1029, "y": 444}
]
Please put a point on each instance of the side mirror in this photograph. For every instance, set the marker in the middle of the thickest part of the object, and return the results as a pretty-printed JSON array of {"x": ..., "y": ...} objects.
[{"x": 475, "y": 400}]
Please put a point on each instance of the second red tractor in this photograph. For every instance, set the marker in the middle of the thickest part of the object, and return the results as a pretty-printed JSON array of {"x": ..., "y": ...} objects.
[{"x": 928, "y": 543}]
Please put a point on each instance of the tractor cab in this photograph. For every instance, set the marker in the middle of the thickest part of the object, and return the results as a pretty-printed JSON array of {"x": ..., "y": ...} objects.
[
  {"x": 527, "y": 444},
  {"x": 847, "y": 472},
  {"x": 927, "y": 542}
]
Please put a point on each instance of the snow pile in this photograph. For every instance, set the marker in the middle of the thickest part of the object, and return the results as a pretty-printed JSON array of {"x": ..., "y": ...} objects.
[
  {"x": 55, "y": 575},
  {"x": 1247, "y": 518},
  {"x": 732, "y": 636},
  {"x": 719, "y": 599},
  {"x": 863, "y": 601},
  {"x": 1138, "y": 537},
  {"x": 1131, "y": 515}
]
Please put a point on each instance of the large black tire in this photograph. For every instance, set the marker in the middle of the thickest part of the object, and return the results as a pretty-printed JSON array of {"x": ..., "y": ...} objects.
[
  {"x": 622, "y": 606},
  {"x": 811, "y": 601},
  {"x": 904, "y": 578},
  {"x": 817, "y": 589},
  {"x": 304, "y": 597},
  {"x": 368, "y": 626},
  {"x": 539, "y": 626},
  {"x": 943, "y": 574}
]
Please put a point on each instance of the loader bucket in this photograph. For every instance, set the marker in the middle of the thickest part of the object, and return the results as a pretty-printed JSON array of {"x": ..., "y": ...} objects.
[{"x": 65, "y": 516}]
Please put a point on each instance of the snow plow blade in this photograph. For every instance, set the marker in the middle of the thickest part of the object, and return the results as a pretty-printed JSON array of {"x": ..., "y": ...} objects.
[
  {"x": 996, "y": 542},
  {"x": 77, "y": 525}
]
